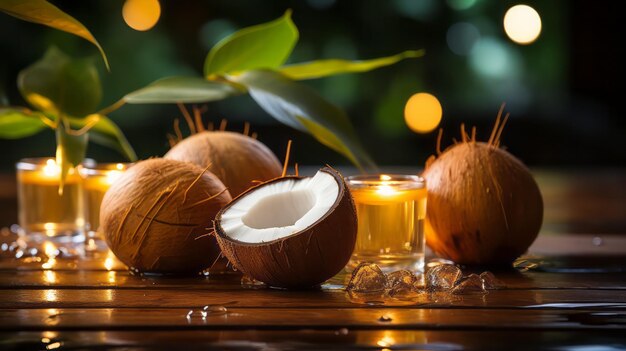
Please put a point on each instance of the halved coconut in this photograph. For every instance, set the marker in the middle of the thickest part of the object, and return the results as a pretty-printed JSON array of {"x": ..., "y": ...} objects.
[{"x": 290, "y": 232}]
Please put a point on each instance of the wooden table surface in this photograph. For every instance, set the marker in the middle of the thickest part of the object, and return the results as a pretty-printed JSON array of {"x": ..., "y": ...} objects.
[{"x": 568, "y": 292}]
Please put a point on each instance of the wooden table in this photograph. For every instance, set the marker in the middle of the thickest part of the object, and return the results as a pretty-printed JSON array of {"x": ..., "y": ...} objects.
[{"x": 568, "y": 292}]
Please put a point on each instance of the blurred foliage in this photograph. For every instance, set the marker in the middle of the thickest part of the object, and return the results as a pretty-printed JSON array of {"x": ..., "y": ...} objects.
[
  {"x": 562, "y": 91},
  {"x": 251, "y": 60},
  {"x": 43, "y": 12},
  {"x": 65, "y": 93}
]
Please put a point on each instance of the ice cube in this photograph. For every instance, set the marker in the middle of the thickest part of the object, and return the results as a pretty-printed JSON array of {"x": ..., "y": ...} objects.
[
  {"x": 400, "y": 277},
  {"x": 401, "y": 289},
  {"x": 419, "y": 283},
  {"x": 442, "y": 277},
  {"x": 471, "y": 284},
  {"x": 367, "y": 277},
  {"x": 490, "y": 282}
]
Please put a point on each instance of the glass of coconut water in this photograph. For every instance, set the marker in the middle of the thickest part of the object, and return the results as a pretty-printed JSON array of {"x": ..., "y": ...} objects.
[{"x": 391, "y": 210}]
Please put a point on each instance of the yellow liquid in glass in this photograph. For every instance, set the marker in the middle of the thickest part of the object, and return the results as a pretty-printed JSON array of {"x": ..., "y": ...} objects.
[
  {"x": 390, "y": 229},
  {"x": 42, "y": 210}
]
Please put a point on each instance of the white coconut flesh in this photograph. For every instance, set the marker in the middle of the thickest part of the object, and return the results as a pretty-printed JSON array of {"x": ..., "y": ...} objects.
[{"x": 280, "y": 209}]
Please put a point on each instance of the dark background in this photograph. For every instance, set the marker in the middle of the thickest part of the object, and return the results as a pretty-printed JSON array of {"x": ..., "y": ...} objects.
[{"x": 561, "y": 91}]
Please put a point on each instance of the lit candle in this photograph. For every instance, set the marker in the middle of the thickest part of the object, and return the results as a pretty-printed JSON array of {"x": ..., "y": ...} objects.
[
  {"x": 391, "y": 210},
  {"x": 96, "y": 181},
  {"x": 41, "y": 209}
]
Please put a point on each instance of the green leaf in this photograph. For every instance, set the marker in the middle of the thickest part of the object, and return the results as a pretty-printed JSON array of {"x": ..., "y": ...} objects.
[
  {"x": 323, "y": 68},
  {"x": 266, "y": 45},
  {"x": 104, "y": 131},
  {"x": 19, "y": 123},
  {"x": 71, "y": 149},
  {"x": 300, "y": 107},
  {"x": 182, "y": 89},
  {"x": 326, "y": 137},
  {"x": 43, "y": 12},
  {"x": 61, "y": 85}
]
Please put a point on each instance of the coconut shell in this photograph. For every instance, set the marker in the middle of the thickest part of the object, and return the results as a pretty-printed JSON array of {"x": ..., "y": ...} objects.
[
  {"x": 155, "y": 217},
  {"x": 304, "y": 259},
  {"x": 484, "y": 207},
  {"x": 239, "y": 161}
]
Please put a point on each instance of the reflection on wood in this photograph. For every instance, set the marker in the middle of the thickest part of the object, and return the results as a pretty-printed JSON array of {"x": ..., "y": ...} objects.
[
  {"x": 299, "y": 318},
  {"x": 195, "y": 298},
  {"x": 308, "y": 339}
]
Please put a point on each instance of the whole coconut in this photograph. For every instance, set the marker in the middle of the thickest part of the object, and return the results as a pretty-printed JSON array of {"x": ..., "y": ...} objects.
[
  {"x": 236, "y": 159},
  {"x": 156, "y": 216},
  {"x": 484, "y": 206}
]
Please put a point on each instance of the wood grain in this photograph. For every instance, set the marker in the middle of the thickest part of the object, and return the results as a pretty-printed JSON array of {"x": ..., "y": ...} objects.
[
  {"x": 294, "y": 318},
  {"x": 195, "y": 298},
  {"x": 67, "y": 279},
  {"x": 312, "y": 339}
]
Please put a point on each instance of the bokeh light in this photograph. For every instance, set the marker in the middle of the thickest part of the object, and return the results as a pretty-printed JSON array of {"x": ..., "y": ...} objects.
[
  {"x": 522, "y": 24},
  {"x": 141, "y": 14},
  {"x": 494, "y": 58},
  {"x": 422, "y": 112},
  {"x": 461, "y": 38}
]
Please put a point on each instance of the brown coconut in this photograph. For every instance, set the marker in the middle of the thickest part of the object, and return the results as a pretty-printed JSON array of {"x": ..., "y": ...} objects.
[
  {"x": 156, "y": 217},
  {"x": 238, "y": 160},
  {"x": 484, "y": 207},
  {"x": 305, "y": 258}
]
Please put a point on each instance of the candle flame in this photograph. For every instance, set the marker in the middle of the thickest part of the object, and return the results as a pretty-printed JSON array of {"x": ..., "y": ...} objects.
[
  {"x": 385, "y": 190},
  {"x": 51, "y": 169},
  {"x": 112, "y": 176}
]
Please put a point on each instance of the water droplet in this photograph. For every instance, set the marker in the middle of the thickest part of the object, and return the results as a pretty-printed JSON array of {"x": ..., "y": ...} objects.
[
  {"x": 33, "y": 251},
  {"x": 385, "y": 318},
  {"x": 189, "y": 314},
  {"x": 215, "y": 309},
  {"x": 342, "y": 331},
  {"x": 19, "y": 254},
  {"x": 4, "y": 246},
  {"x": 597, "y": 241}
]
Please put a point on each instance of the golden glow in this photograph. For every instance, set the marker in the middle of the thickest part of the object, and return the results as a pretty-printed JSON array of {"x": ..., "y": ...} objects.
[
  {"x": 108, "y": 263},
  {"x": 49, "y": 264},
  {"x": 385, "y": 189},
  {"x": 522, "y": 24},
  {"x": 50, "y": 249},
  {"x": 49, "y": 277},
  {"x": 51, "y": 169},
  {"x": 141, "y": 15},
  {"x": 112, "y": 176},
  {"x": 50, "y": 295},
  {"x": 422, "y": 112},
  {"x": 385, "y": 177},
  {"x": 50, "y": 334},
  {"x": 54, "y": 345},
  {"x": 119, "y": 166},
  {"x": 386, "y": 341},
  {"x": 111, "y": 277}
]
